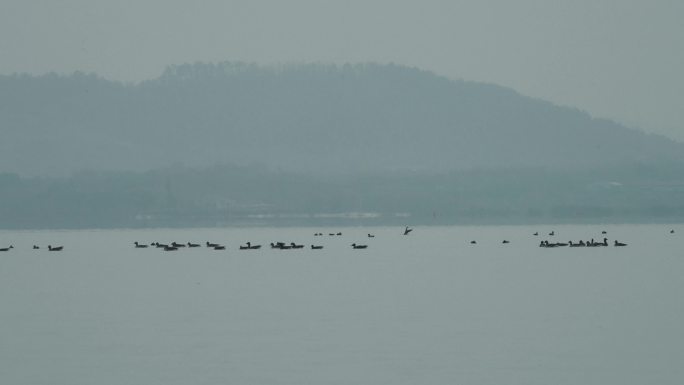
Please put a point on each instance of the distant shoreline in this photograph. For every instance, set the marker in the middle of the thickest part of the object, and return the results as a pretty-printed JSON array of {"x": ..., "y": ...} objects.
[{"x": 346, "y": 224}]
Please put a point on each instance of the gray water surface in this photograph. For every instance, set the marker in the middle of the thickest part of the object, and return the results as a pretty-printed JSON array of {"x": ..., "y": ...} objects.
[{"x": 428, "y": 308}]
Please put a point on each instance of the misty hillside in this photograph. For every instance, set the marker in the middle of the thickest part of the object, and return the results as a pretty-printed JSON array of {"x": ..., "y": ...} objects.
[{"x": 305, "y": 118}]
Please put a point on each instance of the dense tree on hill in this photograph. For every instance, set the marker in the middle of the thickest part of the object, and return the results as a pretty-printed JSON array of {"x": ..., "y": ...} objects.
[{"x": 225, "y": 195}]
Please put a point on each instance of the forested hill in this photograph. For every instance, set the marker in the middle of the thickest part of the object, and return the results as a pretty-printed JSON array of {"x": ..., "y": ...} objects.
[{"x": 316, "y": 119}]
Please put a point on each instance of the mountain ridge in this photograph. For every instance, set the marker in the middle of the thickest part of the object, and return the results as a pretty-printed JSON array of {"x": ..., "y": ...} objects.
[{"x": 313, "y": 118}]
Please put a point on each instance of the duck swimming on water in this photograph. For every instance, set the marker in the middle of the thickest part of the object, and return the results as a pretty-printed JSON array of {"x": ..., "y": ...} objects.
[
  {"x": 249, "y": 246},
  {"x": 280, "y": 245}
]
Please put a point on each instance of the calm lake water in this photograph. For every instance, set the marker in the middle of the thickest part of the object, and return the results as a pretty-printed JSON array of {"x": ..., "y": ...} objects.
[{"x": 428, "y": 308}]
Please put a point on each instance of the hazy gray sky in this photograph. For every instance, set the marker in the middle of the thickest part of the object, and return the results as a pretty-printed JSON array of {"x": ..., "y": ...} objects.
[{"x": 620, "y": 59}]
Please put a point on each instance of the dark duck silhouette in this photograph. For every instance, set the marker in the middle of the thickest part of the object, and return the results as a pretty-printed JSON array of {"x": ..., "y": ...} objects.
[
  {"x": 7, "y": 248},
  {"x": 139, "y": 245},
  {"x": 249, "y": 246},
  {"x": 619, "y": 243},
  {"x": 58, "y": 248},
  {"x": 593, "y": 243},
  {"x": 316, "y": 247},
  {"x": 407, "y": 230},
  {"x": 547, "y": 244},
  {"x": 280, "y": 245},
  {"x": 355, "y": 246},
  {"x": 190, "y": 244}
]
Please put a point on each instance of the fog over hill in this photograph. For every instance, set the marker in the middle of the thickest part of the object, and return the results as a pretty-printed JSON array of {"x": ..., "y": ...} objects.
[
  {"x": 235, "y": 144},
  {"x": 312, "y": 119}
]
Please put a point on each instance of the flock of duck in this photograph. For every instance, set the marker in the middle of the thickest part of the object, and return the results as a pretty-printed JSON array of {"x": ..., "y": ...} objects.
[
  {"x": 292, "y": 245},
  {"x": 173, "y": 246},
  {"x": 581, "y": 243},
  {"x": 35, "y": 247}
]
